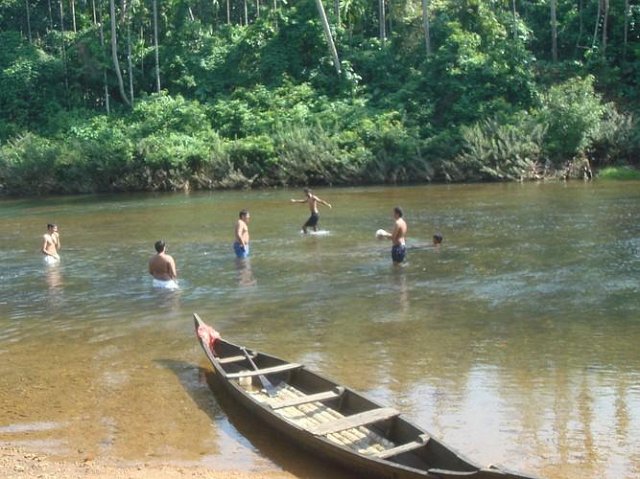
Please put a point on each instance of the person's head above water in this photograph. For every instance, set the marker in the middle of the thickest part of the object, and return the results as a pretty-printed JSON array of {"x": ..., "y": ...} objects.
[
  {"x": 437, "y": 238},
  {"x": 160, "y": 246}
]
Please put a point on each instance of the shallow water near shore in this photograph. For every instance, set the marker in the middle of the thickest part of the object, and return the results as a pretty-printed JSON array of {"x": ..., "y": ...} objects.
[{"x": 515, "y": 342}]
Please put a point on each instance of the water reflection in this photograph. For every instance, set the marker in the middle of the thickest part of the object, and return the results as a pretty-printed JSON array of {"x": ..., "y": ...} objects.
[
  {"x": 244, "y": 273},
  {"x": 55, "y": 285}
]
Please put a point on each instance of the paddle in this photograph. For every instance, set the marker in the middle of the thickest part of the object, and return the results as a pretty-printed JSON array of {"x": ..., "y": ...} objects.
[{"x": 266, "y": 384}]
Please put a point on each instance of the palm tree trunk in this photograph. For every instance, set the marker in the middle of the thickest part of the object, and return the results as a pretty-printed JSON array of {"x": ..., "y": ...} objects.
[
  {"x": 626, "y": 29},
  {"x": 327, "y": 34},
  {"x": 98, "y": 21},
  {"x": 114, "y": 52},
  {"x": 155, "y": 43},
  {"x": 515, "y": 20},
  {"x": 50, "y": 15},
  {"x": 605, "y": 21},
  {"x": 554, "y": 32},
  {"x": 426, "y": 26},
  {"x": 26, "y": 2},
  {"x": 383, "y": 20},
  {"x": 73, "y": 16},
  {"x": 595, "y": 32},
  {"x": 129, "y": 60},
  {"x": 63, "y": 50}
]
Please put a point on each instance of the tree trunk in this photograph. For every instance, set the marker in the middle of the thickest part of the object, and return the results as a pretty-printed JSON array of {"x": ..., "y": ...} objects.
[
  {"x": 515, "y": 20},
  {"x": 327, "y": 34},
  {"x": 605, "y": 21},
  {"x": 26, "y": 2},
  {"x": 73, "y": 16},
  {"x": 580, "y": 25},
  {"x": 626, "y": 29},
  {"x": 595, "y": 32},
  {"x": 426, "y": 25},
  {"x": 246, "y": 12},
  {"x": 554, "y": 32},
  {"x": 155, "y": 43},
  {"x": 63, "y": 51},
  {"x": 129, "y": 60},
  {"x": 98, "y": 20},
  {"x": 228, "y": 12},
  {"x": 114, "y": 52},
  {"x": 383, "y": 20},
  {"x": 336, "y": 11},
  {"x": 50, "y": 15}
]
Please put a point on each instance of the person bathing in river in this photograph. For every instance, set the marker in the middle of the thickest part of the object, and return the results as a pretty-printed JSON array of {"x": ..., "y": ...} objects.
[
  {"x": 397, "y": 236},
  {"x": 313, "y": 201},
  {"x": 437, "y": 240},
  {"x": 241, "y": 243},
  {"x": 51, "y": 244},
  {"x": 163, "y": 268}
]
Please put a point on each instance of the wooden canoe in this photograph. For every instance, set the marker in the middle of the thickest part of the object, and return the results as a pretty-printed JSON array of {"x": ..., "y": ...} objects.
[{"x": 332, "y": 421}]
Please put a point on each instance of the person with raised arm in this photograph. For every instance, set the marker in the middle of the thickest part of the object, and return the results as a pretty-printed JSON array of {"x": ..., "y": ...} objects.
[{"x": 313, "y": 201}]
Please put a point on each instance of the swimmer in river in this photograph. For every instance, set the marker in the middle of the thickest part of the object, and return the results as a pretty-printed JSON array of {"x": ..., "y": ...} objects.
[
  {"x": 163, "y": 268},
  {"x": 51, "y": 244}
]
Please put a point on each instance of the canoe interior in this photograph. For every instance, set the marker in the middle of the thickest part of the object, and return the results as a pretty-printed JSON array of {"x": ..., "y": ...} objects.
[{"x": 394, "y": 431}]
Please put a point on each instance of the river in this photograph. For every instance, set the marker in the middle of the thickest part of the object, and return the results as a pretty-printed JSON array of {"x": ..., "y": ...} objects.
[{"x": 516, "y": 341}]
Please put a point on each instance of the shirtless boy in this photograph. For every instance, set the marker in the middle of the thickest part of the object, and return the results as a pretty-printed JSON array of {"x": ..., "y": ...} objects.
[
  {"x": 163, "y": 268},
  {"x": 313, "y": 201},
  {"x": 397, "y": 236},
  {"x": 241, "y": 243},
  {"x": 51, "y": 244}
]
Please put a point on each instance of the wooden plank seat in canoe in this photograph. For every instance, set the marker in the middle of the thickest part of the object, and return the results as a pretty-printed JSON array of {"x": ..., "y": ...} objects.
[
  {"x": 402, "y": 448},
  {"x": 264, "y": 372},
  {"x": 306, "y": 399},
  {"x": 234, "y": 359},
  {"x": 353, "y": 421}
]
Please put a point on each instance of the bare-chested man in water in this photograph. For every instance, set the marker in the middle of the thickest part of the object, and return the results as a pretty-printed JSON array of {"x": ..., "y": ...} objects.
[
  {"x": 313, "y": 201},
  {"x": 163, "y": 268},
  {"x": 241, "y": 243},
  {"x": 397, "y": 236},
  {"x": 51, "y": 244}
]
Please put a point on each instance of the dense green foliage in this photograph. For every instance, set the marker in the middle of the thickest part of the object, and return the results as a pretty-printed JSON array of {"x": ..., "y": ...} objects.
[
  {"x": 255, "y": 100},
  {"x": 619, "y": 173}
]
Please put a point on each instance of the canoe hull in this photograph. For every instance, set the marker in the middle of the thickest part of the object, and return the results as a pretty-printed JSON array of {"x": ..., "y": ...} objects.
[{"x": 237, "y": 371}]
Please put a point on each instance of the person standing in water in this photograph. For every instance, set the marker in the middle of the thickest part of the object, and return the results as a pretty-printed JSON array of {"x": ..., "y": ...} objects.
[
  {"x": 313, "y": 201},
  {"x": 241, "y": 243},
  {"x": 51, "y": 244},
  {"x": 163, "y": 268},
  {"x": 397, "y": 236}
]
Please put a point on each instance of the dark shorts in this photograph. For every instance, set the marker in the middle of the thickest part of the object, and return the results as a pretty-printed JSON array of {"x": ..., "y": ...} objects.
[
  {"x": 312, "y": 221},
  {"x": 398, "y": 252}
]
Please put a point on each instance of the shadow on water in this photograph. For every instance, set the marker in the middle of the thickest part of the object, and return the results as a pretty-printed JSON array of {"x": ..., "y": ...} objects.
[{"x": 302, "y": 464}]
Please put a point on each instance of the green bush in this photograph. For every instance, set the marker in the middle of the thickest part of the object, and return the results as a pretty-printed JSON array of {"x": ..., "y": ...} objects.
[
  {"x": 617, "y": 139},
  {"x": 27, "y": 165},
  {"x": 497, "y": 151},
  {"x": 571, "y": 112},
  {"x": 619, "y": 173}
]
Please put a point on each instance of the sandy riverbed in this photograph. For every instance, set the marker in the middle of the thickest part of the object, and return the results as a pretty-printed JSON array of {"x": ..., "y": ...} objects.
[{"x": 17, "y": 463}]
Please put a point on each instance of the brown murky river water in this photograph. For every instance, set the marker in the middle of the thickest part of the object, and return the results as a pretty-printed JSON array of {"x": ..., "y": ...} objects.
[{"x": 516, "y": 342}]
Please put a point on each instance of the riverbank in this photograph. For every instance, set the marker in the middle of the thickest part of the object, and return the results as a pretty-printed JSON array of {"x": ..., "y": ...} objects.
[{"x": 17, "y": 463}]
